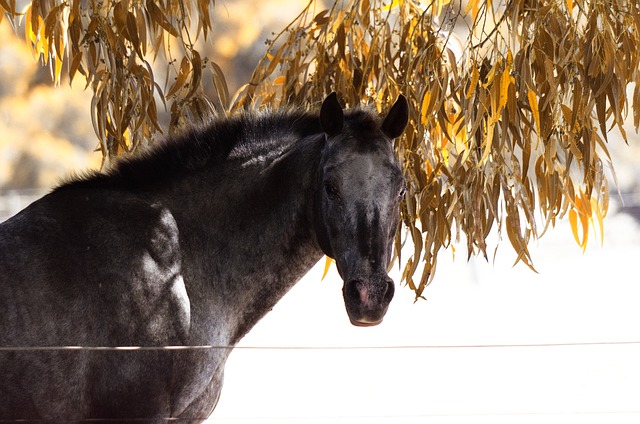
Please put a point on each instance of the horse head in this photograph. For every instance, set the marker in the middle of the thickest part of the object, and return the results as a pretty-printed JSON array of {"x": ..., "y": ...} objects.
[{"x": 357, "y": 206}]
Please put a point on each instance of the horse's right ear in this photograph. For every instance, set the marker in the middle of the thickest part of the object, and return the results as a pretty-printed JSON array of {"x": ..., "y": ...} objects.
[
  {"x": 397, "y": 118},
  {"x": 331, "y": 115}
]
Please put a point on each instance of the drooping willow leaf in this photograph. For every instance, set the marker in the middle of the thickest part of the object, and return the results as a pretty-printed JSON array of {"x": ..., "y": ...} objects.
[{"x": 511, "y": 101}]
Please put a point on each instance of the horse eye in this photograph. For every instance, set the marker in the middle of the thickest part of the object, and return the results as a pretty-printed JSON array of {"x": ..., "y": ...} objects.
[{"x": 331, "y": 190}]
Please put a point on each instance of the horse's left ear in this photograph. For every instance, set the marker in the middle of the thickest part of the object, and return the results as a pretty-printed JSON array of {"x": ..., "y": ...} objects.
[
  {"x": 331, "y": 115},
  {"x": 396, "y": 120}
]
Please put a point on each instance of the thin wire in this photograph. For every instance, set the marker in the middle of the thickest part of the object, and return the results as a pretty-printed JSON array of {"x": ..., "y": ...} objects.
[
  {"x": 398, "y": 347},
  {"x": 434, "y": 415},
  {"x": 357, "y": 417},
  {"x": 363, "y": 417}
]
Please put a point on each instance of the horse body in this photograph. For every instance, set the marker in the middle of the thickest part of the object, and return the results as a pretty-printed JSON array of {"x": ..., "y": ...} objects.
[{"x": 186, "y": 247}]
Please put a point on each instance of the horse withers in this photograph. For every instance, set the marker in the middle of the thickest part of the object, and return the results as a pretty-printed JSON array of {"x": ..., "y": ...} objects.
[{"x": 123, "y": 293}]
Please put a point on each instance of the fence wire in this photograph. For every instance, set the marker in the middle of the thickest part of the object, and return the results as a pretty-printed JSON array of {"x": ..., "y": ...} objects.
[{"x": 382, "y": 347}]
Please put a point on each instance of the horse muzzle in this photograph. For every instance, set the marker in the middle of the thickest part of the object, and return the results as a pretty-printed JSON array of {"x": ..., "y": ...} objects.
[{"x": 367, "y": 300}]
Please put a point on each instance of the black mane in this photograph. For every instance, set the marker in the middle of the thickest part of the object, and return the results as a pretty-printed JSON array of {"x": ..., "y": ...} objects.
[{"x": 239, "y": 136}]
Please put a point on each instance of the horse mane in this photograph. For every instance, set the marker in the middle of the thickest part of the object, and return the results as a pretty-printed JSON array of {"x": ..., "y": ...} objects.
[{"x": 240, "y": 136}]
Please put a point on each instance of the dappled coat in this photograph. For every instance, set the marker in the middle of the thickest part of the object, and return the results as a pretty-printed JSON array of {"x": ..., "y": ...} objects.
[{"x": 187, "y": 247}]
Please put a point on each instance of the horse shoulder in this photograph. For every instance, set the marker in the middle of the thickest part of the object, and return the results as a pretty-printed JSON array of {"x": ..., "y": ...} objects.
[
  {"x": 155, "y": 304},
  {"x": 159, "y": 287},
  {"x": 111, "y": 260}
]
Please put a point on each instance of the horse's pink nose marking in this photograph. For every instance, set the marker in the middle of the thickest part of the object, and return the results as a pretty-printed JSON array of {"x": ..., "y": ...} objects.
[{"x": 364, "y": 294}]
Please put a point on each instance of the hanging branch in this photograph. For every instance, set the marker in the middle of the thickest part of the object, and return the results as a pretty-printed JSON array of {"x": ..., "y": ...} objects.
[
  {"x": 508, "y": 127},
  {"x": 111, "y": 45},
  {"x": 511, "y": 101}
]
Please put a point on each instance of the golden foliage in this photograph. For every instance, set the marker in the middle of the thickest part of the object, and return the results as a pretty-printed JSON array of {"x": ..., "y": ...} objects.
[
  {"x": 508, "y": 122},
  {"x": 511, "y": 101},
  {"x": 110, "y": 44}
]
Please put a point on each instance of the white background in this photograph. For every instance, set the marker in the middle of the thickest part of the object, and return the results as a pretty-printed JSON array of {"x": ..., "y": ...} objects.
[{"x": 575, "y": 298}]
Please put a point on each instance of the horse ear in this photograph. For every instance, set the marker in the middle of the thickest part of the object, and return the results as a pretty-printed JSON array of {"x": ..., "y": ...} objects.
[
  {"x": 396, "y": 120},
  {"x": 331, "y": 116}
]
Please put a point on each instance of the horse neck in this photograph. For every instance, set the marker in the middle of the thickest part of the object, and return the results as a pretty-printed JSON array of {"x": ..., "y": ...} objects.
[{"x": 247, "y": 235}]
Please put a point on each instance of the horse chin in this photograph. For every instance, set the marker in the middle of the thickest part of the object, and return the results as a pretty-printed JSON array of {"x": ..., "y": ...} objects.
[{"x": 364, "y": 323}]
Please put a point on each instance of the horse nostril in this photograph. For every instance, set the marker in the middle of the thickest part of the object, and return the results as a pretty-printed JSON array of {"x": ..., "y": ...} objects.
[
  {"x": 354, "y": 290},
  {"x": 388, "y": 295},
  {"x": 358, "y": 292}
]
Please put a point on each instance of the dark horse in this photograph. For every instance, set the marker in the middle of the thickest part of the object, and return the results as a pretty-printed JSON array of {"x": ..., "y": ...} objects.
[{"x": 190, "y": 244}]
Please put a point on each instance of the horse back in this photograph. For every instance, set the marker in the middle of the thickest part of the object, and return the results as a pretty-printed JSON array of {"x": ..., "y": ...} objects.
[{"x": 89, "y": 267}]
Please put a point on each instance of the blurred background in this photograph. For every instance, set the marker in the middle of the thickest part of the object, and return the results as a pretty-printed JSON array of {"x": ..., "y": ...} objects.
[{"x": 491, "y": 343}]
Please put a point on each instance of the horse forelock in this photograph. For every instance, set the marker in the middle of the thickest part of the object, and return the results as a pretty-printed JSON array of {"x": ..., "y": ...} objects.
[{"x": 362, "y": 120}]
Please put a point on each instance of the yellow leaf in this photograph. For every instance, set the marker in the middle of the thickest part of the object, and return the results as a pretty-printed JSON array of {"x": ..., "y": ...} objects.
[
  {"x": 533, "y": 103},
  {"x": 30, "y": 34},
  {"x": 445, "y": 152},
  {"x": 196, "y": 65},
  {"x": 505, "y": 81},
  {"x": 158, "y": 17},
  {"x": 185, "y": 68},
  {"x": 220, "y": 84},
  {"x": 584, "y": 220},
  {"x": 439, "y": 5},
  {"x": 327, "y": 264},
  {"x": 599, "y": 217},
  {"x": 58, "y": 70},
  {"x": 392, "y": 5},
  {"x": 492, "y": 73},
  {"x": 424, "y": 110},
  {"x": 579, "y": 212},
  {"x": 491, "y": 123},
  {"x": 518, "y": 243},
  {"x": 472, "y": 6},
  {"x": 585, "y": 213},
  {"x": 573, "y": 221},
  {"x": 43, "y": 42},
  {"x": 475, "y": 76}
]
